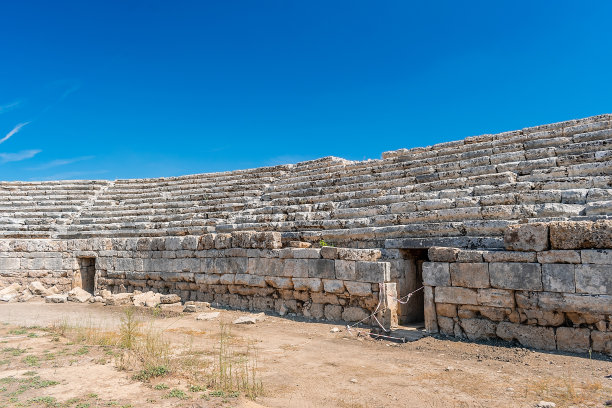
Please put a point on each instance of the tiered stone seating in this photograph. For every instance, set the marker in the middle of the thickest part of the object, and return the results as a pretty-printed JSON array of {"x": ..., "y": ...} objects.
[
  {"x": 172, "y": 206},
  {"x": 472, "y": 188},
  {"x": 42, "y": 209},
  {"x": 464, "y": 192}
]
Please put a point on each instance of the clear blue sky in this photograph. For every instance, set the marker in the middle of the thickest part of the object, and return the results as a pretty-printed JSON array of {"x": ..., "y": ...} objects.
[{"x": 122, "y": 89}]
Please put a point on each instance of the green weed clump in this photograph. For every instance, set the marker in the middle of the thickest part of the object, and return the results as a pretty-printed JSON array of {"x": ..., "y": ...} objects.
[
  {"x": 129, "y": 329},
  {"x": 176, "y": 393},
  {"x": 151, "y": 372}
]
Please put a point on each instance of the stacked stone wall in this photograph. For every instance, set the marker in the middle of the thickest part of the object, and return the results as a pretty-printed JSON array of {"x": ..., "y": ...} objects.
[
  {"x": 49, "y": 261},
  {"x": 331, "y": 283},
  {"x": 553, "y": 291},
  {"x": 244, "y": 270}
]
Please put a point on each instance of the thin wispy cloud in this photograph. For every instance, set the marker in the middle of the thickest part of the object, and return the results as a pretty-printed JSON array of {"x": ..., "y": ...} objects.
[
  {"x": 67, "y": 87},
  {"x": 13, "y": 132},
  {"x": 10, "y": 106},
  {"x": 60, "y": 162},
  {"x": 19, "y": 156}
]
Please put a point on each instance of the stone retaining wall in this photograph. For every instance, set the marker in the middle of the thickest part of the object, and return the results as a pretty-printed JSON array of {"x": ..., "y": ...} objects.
[
  {"x": 542, "y": 294},
  {"x": 49, "y": 261},
  {"x": 244, "y": 270}
]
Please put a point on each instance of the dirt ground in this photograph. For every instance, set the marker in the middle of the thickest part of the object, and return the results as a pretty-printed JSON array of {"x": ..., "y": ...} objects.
[{"x": 300, "y": 364}]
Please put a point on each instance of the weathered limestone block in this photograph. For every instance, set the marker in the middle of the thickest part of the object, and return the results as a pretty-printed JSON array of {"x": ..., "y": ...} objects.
[
  {"x": 325, "y": 298},
  {"x": 526, "y": 237},
  {"x": 250, "y": 280},
  {"x": 79, "y": 295},
  {"x": 581, "y": 234},
  {"x": 354, "y": 314},
  {"x": 575, "y": 340},
  {"x": 266, "y": 240},
  {"x": 429, "y": 309},
  {"x": 454, "y": 295},
  {"x": 597, "y": 256},
  {"x": 189, "y": 243},
  {"x": 496, "y": 314},
  {"x": 542, "y": 317},
  {"x": 299, "y": 244},
  {"x": 446, "y": 325},
  {"x": 321, "y": 268},
  {"x": 258, "y": 252},
  {"x": 559, "y": 257},
  {"x": 306, "y": 253},
  {"x": 529, "y": 336},
  {"x": 594, "y": 279},
  {"x": 279, "y": 282},
  {"x": 265, "y": 266},
  {"x": 509, "y": 256},
  {"x": 240, "y": 253},
  {"x": 294, "y": 268},
  {"x": 470, "y": 275},
  {"x": 9, "y": 263},
  {"x": 333, "y": 312},
  {"x": 207, "y": 279},
  {"x": 223, "y": 241},
  {"x": 349, "y": 254},
  {"x": 310, "y": 284},
  {"x": 242, "y": 239},
  {"x": 231, "y": 265},
  {"x": 443, "y": 254},
  {"x": 602, "y": 342},
  {"x": 345, "y": 270},
  {"x": 496, "y": 298},
  {"x": 119, "y": 299},
  {"x": 37, "y": 288},
  {"x": 358, "y": 288},
  {"x": 373, "y": 272},
  {"x": 207, "y": 241},
  {"x": 436, "y": 274},
  {"x": 148, "y": 299},
  {"x": 333, "y": 286},
  {"x": 446, "y": 309},
  {"x": 579, "y": 319},
  {"x": 227, "y": 279},
  {"x": 469, "y": 256},
  {"x": 173, "y": 243},
  {"x": 169, "y": 299},
  {"x": 571, "y": 302},
  {"x": 477, "y": 329},
  {"x": 558, "y": 278},
  {"x": 56, "y": 298},
  {"x": 519, "y": 276},
  {"x": 599, "y": 208}
]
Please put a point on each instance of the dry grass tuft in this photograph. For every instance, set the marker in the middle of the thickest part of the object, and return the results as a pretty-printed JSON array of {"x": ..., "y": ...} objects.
[
  {"x": 567, "y": 392},
  {"x": 230, "y": 368}
]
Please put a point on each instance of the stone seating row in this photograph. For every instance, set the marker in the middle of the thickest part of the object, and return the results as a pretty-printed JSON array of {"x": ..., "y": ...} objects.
[
  {"x": 485, "y": 165},
  {"x": 517, "y": 166},
  {"x": 332, "y": 193},
  {"x": 566, "y": 128},
  {"x": 503, "y": 145}
]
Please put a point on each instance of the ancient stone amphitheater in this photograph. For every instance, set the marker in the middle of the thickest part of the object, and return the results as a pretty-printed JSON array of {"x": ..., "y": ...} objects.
[{"x": 506, "y": 235}]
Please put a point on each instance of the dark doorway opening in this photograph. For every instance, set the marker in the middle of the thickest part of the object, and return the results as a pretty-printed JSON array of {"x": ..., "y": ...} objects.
[
  {"x": 87, "y": 269},
  {"x": 411, "y": 279}
]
